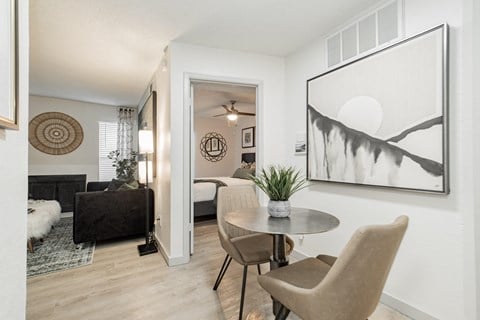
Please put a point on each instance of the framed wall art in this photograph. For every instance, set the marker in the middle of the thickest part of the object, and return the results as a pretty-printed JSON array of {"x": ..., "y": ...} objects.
[
  {"x": 9, "y": 65},
  {"x": 213, "y": 147},
  {"x": 147, "y": 119},
  {"x": 382, "y": 120},
  {"x": 300, "y": 144},
  {"x": 248, "y": 137}
]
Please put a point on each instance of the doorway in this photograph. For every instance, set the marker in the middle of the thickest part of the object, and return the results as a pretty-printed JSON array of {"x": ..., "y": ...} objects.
[{"x": 223, "y": 135}]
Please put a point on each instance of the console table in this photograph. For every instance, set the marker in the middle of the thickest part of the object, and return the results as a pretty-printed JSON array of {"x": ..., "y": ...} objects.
[{"x": 57, "y": 187}]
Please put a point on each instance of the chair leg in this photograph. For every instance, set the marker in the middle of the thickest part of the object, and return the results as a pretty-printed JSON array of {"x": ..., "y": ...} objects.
[
  {"x": 222, "y": 271},
  {"x": 30, "y": 245},
  {"x": 282, "y": 313},
  {"x": 259, "y": 270},
  {"x": 242, "y": 297}
]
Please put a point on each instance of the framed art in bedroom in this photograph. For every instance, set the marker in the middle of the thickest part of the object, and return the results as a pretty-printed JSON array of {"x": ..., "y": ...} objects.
[
  {"x": 9, "y": 65},
  {"x": 382, "y": 120},
  {"x": 248, "y": 137}
]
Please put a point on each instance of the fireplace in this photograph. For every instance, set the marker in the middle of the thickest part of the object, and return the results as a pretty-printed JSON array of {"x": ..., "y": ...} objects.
[{"x": 57, "y": 187}]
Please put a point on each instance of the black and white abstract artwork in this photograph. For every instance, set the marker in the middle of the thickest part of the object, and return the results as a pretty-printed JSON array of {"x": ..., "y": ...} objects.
[{"x": 382, "y": 119}]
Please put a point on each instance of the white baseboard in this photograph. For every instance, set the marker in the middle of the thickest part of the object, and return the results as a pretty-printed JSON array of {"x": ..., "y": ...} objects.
[
  {"x": 405, "y": 308},
  {"x": 171, "y": 261},
  {"x": 386, "y": 299}
]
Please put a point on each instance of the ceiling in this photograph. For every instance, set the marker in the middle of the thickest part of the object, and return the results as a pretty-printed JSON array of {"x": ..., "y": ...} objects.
[
  {"x": 106, "y": 51},
  {"x": 208, "y": 98}
]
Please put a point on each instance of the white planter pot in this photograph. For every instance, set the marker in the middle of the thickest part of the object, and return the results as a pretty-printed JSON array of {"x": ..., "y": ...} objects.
[{"x": 279, "y": 209}]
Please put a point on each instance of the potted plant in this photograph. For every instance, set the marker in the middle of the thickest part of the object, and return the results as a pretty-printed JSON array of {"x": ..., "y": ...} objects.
[
  {"x": 125, "y": 168},
  {"x": 279, "y": 183}
]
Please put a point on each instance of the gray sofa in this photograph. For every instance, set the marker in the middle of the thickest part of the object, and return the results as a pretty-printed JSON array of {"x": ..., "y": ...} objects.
[{"x": 104, "y": 215}]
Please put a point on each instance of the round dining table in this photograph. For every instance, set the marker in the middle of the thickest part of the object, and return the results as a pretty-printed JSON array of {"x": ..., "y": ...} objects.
[{"x": 301, "y": 221}]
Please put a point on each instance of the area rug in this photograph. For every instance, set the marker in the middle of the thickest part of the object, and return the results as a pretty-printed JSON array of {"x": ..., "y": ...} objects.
[{"x": 58, "y": 252}]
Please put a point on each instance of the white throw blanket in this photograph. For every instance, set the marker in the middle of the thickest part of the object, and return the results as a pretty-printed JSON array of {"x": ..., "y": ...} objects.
[{"x": 46, "y": 214}]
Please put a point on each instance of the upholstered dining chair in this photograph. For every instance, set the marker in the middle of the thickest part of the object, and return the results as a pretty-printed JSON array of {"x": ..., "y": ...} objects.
[
  {"x": 343, "y": 288},
  {"x": 245, "y": 247}
]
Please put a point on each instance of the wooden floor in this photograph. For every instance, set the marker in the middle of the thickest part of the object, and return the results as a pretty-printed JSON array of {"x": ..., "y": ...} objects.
[{"x": 121, "y": 285}]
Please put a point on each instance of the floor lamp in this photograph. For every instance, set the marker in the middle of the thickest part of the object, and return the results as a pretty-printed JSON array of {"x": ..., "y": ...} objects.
[{"x": 145, "y": 169}]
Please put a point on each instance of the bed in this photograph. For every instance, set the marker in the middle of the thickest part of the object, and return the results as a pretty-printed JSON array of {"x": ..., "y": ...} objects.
[{"x": 205, "y": 189}]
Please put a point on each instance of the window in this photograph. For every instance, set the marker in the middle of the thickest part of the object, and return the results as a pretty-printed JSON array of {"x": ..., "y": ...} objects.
[{"x": 107, "y": 142}]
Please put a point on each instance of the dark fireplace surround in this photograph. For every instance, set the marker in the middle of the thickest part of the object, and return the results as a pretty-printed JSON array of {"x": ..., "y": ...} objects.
[{"x": 57, "y": 187}]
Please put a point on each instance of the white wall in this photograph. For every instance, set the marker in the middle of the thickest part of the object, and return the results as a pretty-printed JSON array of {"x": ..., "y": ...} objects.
[
  {"x": 472, "y": 7},
  {"x": 162, "y": 182},
  {"x": 84, "y": 160},
  {"x": 224, "y": 167},
  {"x": 243, "y": 122},
  {"x": 185, "y": 59},
  {"x": 434, "y": 264},
  {"x": 13, "y": 193}
]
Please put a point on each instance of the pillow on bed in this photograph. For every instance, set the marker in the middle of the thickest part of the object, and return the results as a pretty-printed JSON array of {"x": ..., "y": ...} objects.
[
  {"x": 247, "y": 165},
  {"x": 243, "y": 173}
]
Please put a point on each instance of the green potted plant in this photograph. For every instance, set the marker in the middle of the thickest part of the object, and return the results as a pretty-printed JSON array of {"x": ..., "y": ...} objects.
[
  {"x": 125, "y": 168},
  {"x": 279, "y": 183}
]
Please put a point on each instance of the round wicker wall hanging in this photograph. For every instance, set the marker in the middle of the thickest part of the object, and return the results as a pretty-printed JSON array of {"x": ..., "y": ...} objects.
[
  {"x": 55, "y": 133},
  {"x": 213, "y": 147}
]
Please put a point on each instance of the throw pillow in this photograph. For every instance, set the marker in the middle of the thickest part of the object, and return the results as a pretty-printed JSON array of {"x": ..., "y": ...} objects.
[
  {"x": 243, "y": 173},
  {"x": 115, "y": 184},
  {"x": 126, "y": 187},
  {"x": 133, "y": 184},
  {"x": 244, "y": 165}
]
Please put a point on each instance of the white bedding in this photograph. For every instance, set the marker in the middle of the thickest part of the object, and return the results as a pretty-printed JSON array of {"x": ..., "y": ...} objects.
[{"x": 205, "y": 191}]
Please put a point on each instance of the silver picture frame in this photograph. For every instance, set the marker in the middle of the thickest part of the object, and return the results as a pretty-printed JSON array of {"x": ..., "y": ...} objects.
[{"x": 317, "y": 158}]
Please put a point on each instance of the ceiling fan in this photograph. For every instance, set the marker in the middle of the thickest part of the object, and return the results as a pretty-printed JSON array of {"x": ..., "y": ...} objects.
[{"x": 232, "y": 113}]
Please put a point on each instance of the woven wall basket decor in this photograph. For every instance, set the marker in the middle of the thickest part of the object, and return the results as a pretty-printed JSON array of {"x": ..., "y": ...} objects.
[{"x": 55, "y": 133}]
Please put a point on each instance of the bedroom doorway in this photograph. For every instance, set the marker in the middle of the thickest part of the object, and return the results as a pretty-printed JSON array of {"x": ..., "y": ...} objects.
[{"x": 223, "y": 133}]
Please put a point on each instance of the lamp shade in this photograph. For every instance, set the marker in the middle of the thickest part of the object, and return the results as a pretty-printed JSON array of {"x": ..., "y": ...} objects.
[
  {"x": 145, "y": 141},
  {"x": 232, "y": 116},
  {"x": 142, "y": 171}
]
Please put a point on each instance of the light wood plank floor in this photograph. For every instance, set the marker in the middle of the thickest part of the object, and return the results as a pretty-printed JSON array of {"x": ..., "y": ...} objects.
[{"x": 121, "y": 285}]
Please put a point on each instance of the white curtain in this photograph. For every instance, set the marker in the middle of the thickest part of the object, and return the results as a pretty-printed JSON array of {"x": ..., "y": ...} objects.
[{"x": 126, "y": 123}]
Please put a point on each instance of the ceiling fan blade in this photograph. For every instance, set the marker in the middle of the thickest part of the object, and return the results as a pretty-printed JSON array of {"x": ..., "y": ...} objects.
[
  {"x": 246, "y": 114},
  {"x": 221, "y": 115},
  {"x": 226, "y": 108}
]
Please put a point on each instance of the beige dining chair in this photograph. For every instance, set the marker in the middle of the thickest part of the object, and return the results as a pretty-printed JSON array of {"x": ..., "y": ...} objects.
[
  {"x": 347, "y": 288},
  {"x": 245, "y": 247}
]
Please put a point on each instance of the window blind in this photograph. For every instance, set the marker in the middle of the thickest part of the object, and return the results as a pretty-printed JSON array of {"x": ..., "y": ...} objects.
[{"x": 107, "y": 142}]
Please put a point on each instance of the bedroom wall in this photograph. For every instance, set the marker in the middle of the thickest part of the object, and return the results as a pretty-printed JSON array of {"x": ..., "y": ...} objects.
[
  {"x": 84, "y": 160},
  {"x": 243, "y": 122},
  {"x": 434, "y": 273},
  {"x": 224, "y": 167},
  {"x": 13, "y": 192}
]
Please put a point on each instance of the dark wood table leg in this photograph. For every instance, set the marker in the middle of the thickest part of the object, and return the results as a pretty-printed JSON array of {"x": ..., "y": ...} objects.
[{"x": 278, "y": 260}]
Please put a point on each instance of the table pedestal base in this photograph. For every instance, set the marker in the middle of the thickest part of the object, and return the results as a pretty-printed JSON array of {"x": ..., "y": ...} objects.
[{"x": 278, "y": 260}]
